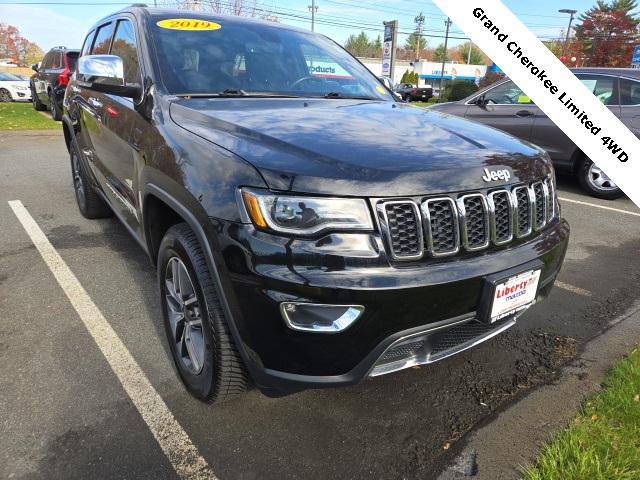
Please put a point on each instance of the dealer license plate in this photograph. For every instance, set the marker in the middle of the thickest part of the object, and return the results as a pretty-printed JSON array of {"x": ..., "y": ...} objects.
[{"x": 514, "y": 294}]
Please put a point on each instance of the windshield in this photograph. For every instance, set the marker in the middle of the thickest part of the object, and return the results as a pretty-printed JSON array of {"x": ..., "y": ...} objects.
[
  {"x": 250, "y": 57},
  {"x": 4, "y": 76}
]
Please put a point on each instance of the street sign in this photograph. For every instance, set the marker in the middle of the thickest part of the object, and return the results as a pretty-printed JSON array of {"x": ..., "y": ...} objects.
[
  {"x": 635, "y": 59},
  {"x": 389, "y": 48}
]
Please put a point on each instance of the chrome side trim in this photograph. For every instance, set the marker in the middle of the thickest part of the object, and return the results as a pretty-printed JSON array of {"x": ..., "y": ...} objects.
[
  {"x": 462, "y": 217},
  {"x": 427, "y": 226},
  {"x": 551, "y": 200},
  {"x": 383, "y": 218},
  {"x": 492, "y": 216}
]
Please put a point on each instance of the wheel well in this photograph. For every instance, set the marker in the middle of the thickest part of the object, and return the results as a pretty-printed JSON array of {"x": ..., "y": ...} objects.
[
  {"x": 158, "y": 218},
  {"x": 576, "y": 159},
  {"x": 67, "y": 136}
]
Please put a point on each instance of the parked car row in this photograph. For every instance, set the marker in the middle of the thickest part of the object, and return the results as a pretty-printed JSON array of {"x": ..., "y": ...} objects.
[
  {"x": 50, "y": 81},
  {"x": 505, "y": 106}
]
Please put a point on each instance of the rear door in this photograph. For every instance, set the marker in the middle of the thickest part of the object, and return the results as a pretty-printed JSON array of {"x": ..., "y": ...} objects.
[
  {"x": 505, "y": 107},
  {"x": 549, "y": 136},
  {"x": 630, "y": 104}
]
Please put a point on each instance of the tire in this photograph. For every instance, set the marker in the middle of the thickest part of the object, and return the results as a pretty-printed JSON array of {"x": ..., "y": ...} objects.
[
  {"x": 593, "y": 181},
  {"x": 35, "y": 101},
  {"x": 211, "y": 369},
  {"x": 5, "y": 95},
  {"x": 56, "y": 112},
  {"x": 90, "y": 204}
]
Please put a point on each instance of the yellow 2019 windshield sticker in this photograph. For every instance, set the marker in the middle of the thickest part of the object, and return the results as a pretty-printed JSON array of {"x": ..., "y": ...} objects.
[
  {"x": 380, "y": 89},
  {"x": 188, "y": 24}
]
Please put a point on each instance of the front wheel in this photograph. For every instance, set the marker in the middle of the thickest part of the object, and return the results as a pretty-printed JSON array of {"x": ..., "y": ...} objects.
[
  {"x": 596, "y": 183},
  {"x": 201, "y": 344}
]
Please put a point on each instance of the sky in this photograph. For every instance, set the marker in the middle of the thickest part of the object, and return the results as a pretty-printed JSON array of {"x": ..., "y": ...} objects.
[{"x": 58, "y": 22}]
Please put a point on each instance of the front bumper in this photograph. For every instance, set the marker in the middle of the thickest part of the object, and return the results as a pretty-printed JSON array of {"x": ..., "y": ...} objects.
[{"x": 400, "y": 300}]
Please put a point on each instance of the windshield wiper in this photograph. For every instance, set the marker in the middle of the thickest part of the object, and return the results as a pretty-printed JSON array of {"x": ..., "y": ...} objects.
[
  {"x": 233, "y": 92},
  {"x": 349, "y": 97}
]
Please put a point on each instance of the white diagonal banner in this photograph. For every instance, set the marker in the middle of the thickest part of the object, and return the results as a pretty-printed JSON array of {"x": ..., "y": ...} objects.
[{"x": 559, "y": 94}]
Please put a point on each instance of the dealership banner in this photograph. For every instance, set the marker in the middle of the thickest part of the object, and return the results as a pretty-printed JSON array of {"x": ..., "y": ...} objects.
[{"x": 551, "y": 85}]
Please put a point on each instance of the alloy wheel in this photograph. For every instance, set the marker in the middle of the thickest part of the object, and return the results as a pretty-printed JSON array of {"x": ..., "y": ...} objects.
[
  {"x": 78, "y": 184},
  {"x": 600, "y": 180},
  {"x": 5, "y": 96},
  {"x": 185, "y": 316}
]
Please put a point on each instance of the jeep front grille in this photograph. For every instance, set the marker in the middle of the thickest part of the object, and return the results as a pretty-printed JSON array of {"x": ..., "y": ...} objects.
[{"x": 443, "y": 226}]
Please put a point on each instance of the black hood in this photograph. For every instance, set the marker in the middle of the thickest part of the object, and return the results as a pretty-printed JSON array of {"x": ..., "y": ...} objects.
[{"x": 359, "y": 148}]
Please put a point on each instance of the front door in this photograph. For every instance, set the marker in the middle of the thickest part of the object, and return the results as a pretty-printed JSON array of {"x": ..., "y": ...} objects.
[{"x": 507, "y": 108}]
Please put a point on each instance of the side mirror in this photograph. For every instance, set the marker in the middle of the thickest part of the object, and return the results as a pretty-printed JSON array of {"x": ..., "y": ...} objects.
[
  {"x": 387, "y": 82},
  {"x": 105, "y": 73},
  {"x": 34, "y": 67},
  {"x": 481, "y": 101}
]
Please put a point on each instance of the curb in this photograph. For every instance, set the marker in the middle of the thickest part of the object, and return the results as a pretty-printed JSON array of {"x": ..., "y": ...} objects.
[{"x": 513, "y": 439}]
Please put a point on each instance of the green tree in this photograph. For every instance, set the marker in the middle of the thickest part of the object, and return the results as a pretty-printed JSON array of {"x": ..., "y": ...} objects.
[
  {"x": 439, "y": 54},
  {"x": 412, "y": 42},
  {"x": 477, "y": 57},
  {"x": 360, "y": 45}
]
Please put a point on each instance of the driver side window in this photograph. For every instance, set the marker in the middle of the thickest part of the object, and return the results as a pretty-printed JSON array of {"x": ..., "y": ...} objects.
[{"x": 507, "y": 93}]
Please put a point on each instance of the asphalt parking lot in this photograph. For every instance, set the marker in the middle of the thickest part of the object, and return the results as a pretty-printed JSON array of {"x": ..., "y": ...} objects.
[{"x": 65, "y": 414}]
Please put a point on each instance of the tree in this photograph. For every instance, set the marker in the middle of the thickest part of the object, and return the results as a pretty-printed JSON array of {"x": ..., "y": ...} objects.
[
  {"x": 607, "y": 34},
  {"x": 477, "y": 57},
  {"x": 16, "y": 47},
  {"x": 439, "y": 54},
  {"x": 360, "y": 45},
  {"x": 412, "y": 42}
]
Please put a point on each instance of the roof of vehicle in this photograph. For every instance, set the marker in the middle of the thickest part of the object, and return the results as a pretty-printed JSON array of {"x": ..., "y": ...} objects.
[
  {"x": 65, "y": 49},
  {"x": 618, "y": 72},
  {"x": 141, "y": 10}
]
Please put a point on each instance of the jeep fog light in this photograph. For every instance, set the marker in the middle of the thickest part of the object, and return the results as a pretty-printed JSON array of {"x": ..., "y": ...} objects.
[{"x": 319, "y": 318}]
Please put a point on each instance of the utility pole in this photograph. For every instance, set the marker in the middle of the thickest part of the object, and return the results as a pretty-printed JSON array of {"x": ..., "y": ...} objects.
[
  {"x": 313, "y": 9},
  {"x": 448, "y": 23},
  {"x": 566, "y": 40},
  {"x": 419, "y": 20}
]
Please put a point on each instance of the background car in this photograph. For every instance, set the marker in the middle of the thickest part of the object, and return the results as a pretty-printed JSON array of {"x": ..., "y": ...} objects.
[
  {"x": 13, "y": 88},
  {"x": 411, "y": 93},
  {"x": 51, "y": 78},
  {"x": 505, "y": 106}
]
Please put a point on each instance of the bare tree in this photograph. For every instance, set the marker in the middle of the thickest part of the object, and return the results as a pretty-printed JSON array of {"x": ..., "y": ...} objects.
[{"x": 239, "y": 8}]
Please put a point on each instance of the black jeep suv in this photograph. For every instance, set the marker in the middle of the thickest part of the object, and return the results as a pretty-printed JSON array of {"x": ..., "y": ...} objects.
[
  {"x": 50, "y": 81},
  {"x": 302, "y": 238}
]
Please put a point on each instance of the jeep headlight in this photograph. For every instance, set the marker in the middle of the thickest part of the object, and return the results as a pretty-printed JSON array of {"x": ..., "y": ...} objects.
[{"x": 301, "y": 215}]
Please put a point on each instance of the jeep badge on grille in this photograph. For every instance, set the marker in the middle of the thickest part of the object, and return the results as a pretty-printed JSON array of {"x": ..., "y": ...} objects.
[{"x": 492, "y": 176}]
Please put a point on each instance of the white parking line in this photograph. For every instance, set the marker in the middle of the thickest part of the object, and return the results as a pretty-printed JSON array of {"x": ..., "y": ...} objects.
[
  {"x": 564, "y": 199},
  {"x": 571, "y": 288},
  {"x": 174, "y": 441}
]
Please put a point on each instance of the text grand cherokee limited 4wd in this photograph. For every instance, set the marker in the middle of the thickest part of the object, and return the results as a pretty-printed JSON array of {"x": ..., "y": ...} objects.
[{"x": 308, "y": 229}]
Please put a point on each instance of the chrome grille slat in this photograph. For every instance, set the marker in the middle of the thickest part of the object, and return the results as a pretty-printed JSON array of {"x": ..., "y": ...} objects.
[
  {"x": 501, "y": 216},
  {"x": 442, "y": 226},
  {"x": 473, "y": 212}
]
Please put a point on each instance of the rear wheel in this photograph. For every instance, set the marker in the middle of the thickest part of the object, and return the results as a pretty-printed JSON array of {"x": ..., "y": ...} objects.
[
  {"x": 597, "y": 183},
  {"x": 90, "y": 204},
  {"x": 56, "y": 113},
  {"x": 5, "y": 95},
  {"x": 35, "y": 101},
  {"x": 202, "y": 346}
]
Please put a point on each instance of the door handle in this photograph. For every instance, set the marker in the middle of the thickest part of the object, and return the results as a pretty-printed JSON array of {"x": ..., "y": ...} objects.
[{"x": 524, "y": 113}]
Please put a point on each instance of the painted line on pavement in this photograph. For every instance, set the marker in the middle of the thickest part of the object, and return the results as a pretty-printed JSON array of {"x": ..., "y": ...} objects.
[
  {"x": 173, "y": 440},
  {"x": 571, "y": 288},
  {"x": 564, "y": 199}
]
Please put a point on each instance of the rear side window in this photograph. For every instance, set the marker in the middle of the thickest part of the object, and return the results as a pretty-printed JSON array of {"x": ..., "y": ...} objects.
[
  {"x": 103, "y": 40},
  {"x": 86, "y": 46},
  {"x": 604, "y": 88},
  {"x": 124, "y": 46},
  {"x": 629, "y": 92},
  {"x": 72, "y": 58}
]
